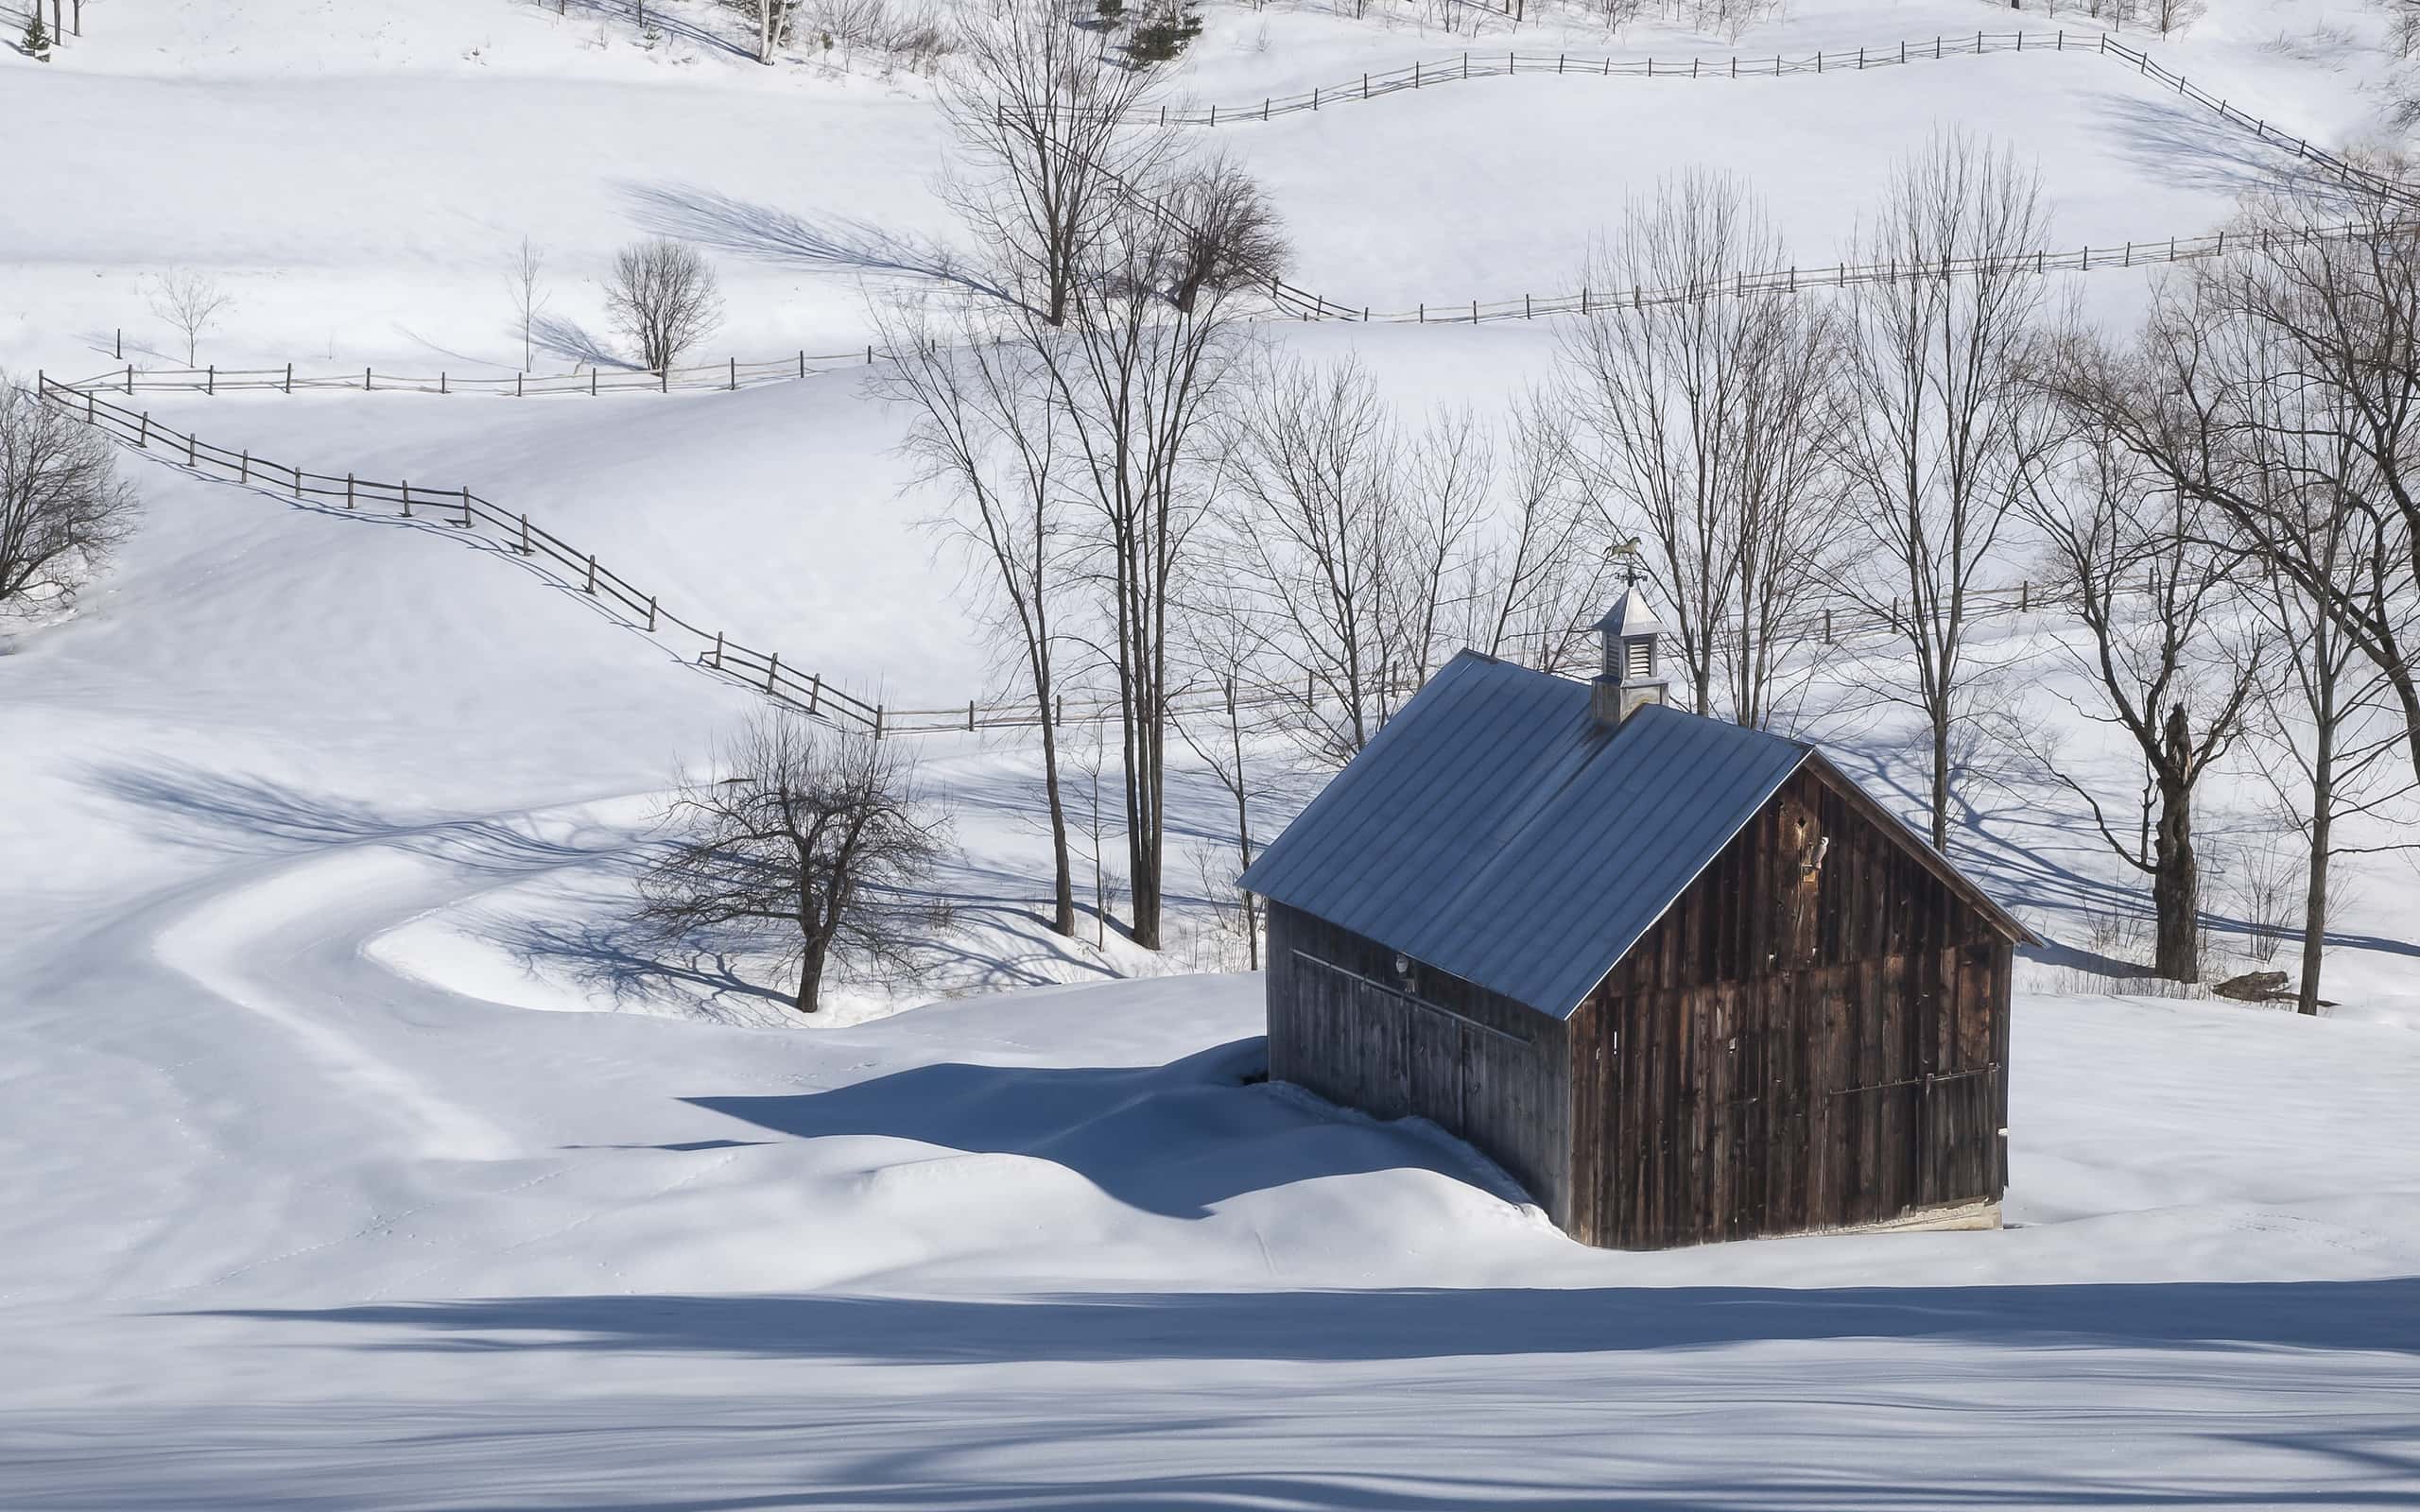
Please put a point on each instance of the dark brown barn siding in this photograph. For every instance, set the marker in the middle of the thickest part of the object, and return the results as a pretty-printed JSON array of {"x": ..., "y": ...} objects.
[
  {"x": 1793, "y": 1046},
  {"x": 1477, "y": 1064}
]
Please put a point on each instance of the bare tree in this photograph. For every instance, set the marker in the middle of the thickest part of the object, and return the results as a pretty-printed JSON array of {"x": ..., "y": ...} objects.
[
  {"x": 2169, "y": 659},
  {"x": 2290, "y": 373},
  {"x": 192, "y": 303},
  {"x": 1349, "y": 542},
  {"x": 2329, "y": 736},
  {"x": 986, "y": 426},
  {"x": 1539, "y": 577},
  {"x": 1219, "y": 646},
  {"x": 1704, "y": 423},
  {"x": 662, "y": 297},
  {"x": 814, "y": 837},
  {"x": 1943, "y": 429},
  {"x": 1231, "y": 235},
  {"x": 1035, "y": 104},
  {"x": 63, "y": 507},
  {"x": 1135, "y": 381},
  {"x": 523, "y": 275}
]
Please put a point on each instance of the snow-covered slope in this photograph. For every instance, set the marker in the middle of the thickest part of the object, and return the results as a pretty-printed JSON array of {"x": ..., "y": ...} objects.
[{"x": 301, "y": 818}]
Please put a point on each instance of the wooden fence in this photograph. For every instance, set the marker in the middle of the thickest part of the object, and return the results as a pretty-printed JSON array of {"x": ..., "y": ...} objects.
[
  {"x": 1845, "y": 622},
  {"x": 729, "y": 374}
]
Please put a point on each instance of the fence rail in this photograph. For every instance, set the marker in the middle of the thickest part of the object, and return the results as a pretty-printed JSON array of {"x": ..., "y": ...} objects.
[
  {"x": 729, "y": 374},
  {"x": 784, "y": 681}
]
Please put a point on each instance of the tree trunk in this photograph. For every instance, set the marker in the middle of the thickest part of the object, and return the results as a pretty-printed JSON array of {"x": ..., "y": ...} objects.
[
  {"x": 1941, "y": 781},
  {"x": 2176, "y": 875},
  {"x": 810, "y": 980},
  {"x": 1062, "y": 911},
  {"x": 2322, "y": 800}
]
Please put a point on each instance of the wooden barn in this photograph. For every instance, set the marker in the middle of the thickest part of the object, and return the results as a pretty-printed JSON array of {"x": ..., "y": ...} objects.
[{"x": 1683, "y": 981}]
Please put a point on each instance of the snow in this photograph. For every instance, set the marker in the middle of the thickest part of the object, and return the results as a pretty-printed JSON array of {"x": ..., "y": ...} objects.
[{"x": 352, "y": 1153}]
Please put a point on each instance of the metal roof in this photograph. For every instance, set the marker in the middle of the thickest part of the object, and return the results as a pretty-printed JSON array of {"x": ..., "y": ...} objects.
[{"x": 1494, "y": 831}]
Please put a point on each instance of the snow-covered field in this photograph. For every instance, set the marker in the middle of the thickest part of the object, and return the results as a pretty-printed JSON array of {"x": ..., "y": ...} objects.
[{"x": 303, "y": 819}]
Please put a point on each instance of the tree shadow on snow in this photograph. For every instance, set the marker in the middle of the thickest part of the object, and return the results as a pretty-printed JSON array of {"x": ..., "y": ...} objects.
[
  {"x": 2375, "y": 1316},
  {"x": 829, "y": 243}
]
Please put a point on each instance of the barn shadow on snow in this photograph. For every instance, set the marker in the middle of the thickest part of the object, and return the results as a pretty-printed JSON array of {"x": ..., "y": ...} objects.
[{"x": 2375, "y": 1316}]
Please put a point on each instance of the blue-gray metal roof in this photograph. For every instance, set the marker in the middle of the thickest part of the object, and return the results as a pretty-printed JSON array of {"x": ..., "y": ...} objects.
[{"x": 1494, "y": 831}]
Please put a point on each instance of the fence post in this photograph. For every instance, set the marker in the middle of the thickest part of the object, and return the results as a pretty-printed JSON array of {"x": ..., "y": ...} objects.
[
  {"x": 1365, "y": 86},
  {"x": 189, "y": 445},
  {"x": 1315, "y": 100},
  {"x": 525, "y": 536},
  {"x": 592, "y": 381},
  {"x": 592, "y": 572},
  {"x": 1525, "y": 307},
  {"x": 210, "y": 379},
  {"x": 467, "y": 521},
  {"x": 1059, "y": 709},
  {"x": 878, "y": 721},
  {"x": 441, "y": 381},
  {"x": 365, "y": 380},
  {"x": 651, "y": 614},
  {"x": 814, "y": 691},
  {"x": 718, "y": 657},
  {"x": 802, "y": 362},
  {"x": 289, "y": 377},
  {"x": 1828, "y": 625},
  {"x": 348, "y": 491},
  {"x": 664, "y": 379},
  {"x": 869, "y": 354},
  {"x": 143, "y": 440},
  {"x": 735, "y": 375},
  {"x": 130, "y": 377},
  {"x": 297, "y": 481},
  {"x": 407, "y": 505},
  {"x": 969, "y": 715},
  {"x": 2024, "y": 597}
]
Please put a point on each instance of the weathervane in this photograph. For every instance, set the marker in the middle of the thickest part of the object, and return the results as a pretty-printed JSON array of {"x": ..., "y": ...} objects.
[{"x": 1627, "y": 553}]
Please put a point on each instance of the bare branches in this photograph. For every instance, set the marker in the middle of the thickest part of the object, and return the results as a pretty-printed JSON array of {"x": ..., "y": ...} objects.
[
  {"x": 63, "y": 507},
  {"x": 1034, "y": 102},
  {"x": 523, "y": 275},
  {"x": 986, "y": 427},
  {"x": 662, "y": 297},
  {"x": 192, "y": 303},
  {"x": 1946, "y": 429},
  {"x": 812, "y": 837},
  {"x": 1705, "y": 426}
]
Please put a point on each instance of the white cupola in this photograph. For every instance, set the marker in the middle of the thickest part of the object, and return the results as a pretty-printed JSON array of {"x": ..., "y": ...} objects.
[{"x": 1629, "y": 676}]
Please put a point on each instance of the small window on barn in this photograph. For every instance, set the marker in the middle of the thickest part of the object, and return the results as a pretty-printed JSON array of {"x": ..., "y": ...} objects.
[{"x": 1639, "y": 659}]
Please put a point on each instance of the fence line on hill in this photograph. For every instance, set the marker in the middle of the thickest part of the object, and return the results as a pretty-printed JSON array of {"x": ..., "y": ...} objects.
[
  {"x": 733, "y": 375},
  {"x": 1843, "y": 622},
  {"x": 1475, "y": 64}
]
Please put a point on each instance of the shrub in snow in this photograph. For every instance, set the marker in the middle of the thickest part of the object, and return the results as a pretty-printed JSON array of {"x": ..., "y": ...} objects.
[{"x": 37, "y": 42}]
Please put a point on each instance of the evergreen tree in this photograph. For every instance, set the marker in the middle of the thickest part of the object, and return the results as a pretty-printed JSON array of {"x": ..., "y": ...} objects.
[{"x": 37, "y": 43}]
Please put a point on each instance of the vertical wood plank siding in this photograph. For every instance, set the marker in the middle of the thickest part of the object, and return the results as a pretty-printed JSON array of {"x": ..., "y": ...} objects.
[
  {"x": 1477, "y": 1064},
  {"x": 1793, "y": 1046}
]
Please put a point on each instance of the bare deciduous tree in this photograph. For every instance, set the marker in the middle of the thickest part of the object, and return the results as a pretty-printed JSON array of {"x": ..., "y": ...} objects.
[
  {"x": 2167, "y": 657},
  {"x": 192, "y": 303},
  {"x": 814, "y": 837},
  {"x": 1943, "y": 428},
  {"x": 1232, "y": 236},
  {"x": 63, "y": 507},
  {"x": 1035, "y": 104},
  {"x": 1348, "y": 542},
  {"x": 663, "y": 298},
  {"x": 986, "y": 426},
  {"x": 1135, "y": 382},
  {"x": 1705, "y": 425},
  {"x": 1539, "y": 577},
  {"x": 523, "y": 275}
]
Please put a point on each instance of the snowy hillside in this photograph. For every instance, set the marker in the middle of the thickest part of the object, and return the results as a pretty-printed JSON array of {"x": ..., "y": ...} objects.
[{"x": 356, "y": 1151}]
